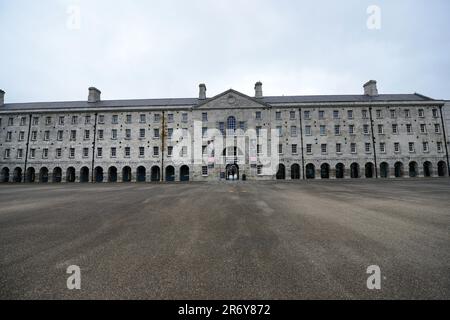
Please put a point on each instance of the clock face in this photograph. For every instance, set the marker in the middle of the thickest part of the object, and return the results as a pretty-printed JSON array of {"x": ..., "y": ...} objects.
[{"x": 231, "y": 99}]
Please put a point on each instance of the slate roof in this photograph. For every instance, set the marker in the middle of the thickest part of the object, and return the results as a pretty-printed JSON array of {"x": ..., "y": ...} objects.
[{"x": 192, "y": 102}]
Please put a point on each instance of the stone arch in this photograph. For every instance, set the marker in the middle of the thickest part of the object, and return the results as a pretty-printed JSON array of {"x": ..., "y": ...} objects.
[
  {"x": 4, "y": 176},
  {"x": 354, "y": 170},
  {"x": 140, "y": 174},
  {"x": 427, "y": 169},
  {"x": 70, "y": 175},
  {"x": 30, "y": 175},
  {"x": 99, "y": 175},
  {"x": 325, "y": 171},
  {"x": 340, "y": 171},
  {"x": 398, "y": 168},
  {"x": 413, "y": 169},
  {"x": 43, "y": 175},
  {"x": 57, "y": 175},
  {"x": 155, "y": 174},
  {"x": 295, "y": 172},
  {"x": 281, "y": 172},
  {"x": 310, "y": 171},
  {"x": 170, "y": 173},
  {"x": 369, "y": 170},
  {"x": 126, "y": 174},
  {"x": 112, "y": 174},
  {"x": 84, "y": 175},
  {"x": 384, "y": 170},
  {"x": 184, "y": 173},
  {"x": 442, "y": 169},
  {"x": 17, "y": 175}
]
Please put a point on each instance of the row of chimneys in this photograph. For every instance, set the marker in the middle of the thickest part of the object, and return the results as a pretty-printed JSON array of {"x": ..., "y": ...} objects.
[{"x": 370, "y": 89}]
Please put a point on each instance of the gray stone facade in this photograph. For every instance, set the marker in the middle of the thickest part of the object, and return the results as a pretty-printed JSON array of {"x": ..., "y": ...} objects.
[{"x": 228, "y": 136}]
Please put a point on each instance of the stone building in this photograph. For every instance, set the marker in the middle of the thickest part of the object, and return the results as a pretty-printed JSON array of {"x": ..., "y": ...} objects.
[{"x": 229, "y": 136}]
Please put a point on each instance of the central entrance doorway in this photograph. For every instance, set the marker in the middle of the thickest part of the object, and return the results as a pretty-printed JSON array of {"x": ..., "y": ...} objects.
[{"x": 232, "y": 172}]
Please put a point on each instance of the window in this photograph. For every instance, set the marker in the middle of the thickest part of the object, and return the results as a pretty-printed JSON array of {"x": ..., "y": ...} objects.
[
  {"x": 32, "y": 153},
  {"x": 169, "y": 151},
  {"x": 380, "y": 129},
  {"x": 407, "y": 113},
  {"x": 204, "y": 170},
  {"x": 338, "y": 148},
  {"x": 421, "y": 113},
  {"x": 308, "y": 130},
  {"x": 101, "y": 119},
  {"x": 33, "y": 135},
  {"x": 72, "y": 153},
  {"x": 353, "y": 147},
  {"x": 394, "y": 128},
  {"x": 113, "y": 152},
  {"x": 292, "y": 115},
  {"x": 7, "y": 153},
  {"x": 411, "y": 147},
  {"x": 141, "y": 152},
  {"x": 87, "y": 134},
  {"x": 439, "y": 146},
  {"x": 128, "y": 134},
  {"x": 425, "y": 147},
  {"x": 294, "y": 149},
  {"x": 408, "y": 128},
  {"x": 231, "y": 123},
  {"x": 393, "y": 114},
  {"x": 142, "y": 118},
  {"x": 423, "y": 128},
  {"x": 204, "y": 150},
  {"x": 435, "y": 113},
  {"x": 21, "y": 135},
  {"x": 259, "y": 169},
  {"x": 10, "y": 121},
  {"x": 101, "y": 134},
  {"x": 280, "y": 148},
  {"x": 47, "y": 135},
  {"x": 23, "y": 121},
  {"x": 115, "y": 119},
  {"x": 85, "y": 152},
  {"x": 156, "y": 151},
  {"x": 323, "y": 130},
  {"x": 114, "y": 134},
  {"x": 293, "y": 131},
  {"x": 170, "y": 132},
  {"x": 58, "y": 152},
  {"x": 367, "y": 147},
  {"x": 323, "y": 148},
  {"x": 204, "y": 132},
  {"x": 437, "y": 128},
  {"x": 397, "y": 147},
  {"x": 222, "y": 128},
  {"x": 350, "y": 114},
  {"x": 307, "y": 114},
  {"x": 366, "y": 129},
  {"x": 129, "y": 119},
  {"x": 48, "y": 121},
  {"x": 87, "y": 120},
  {"x": 364, "y": 114},
  {"x": 279, "y": 131},
  {"x": 351, "y": 129},
  {"x": 74, "y": 119},
  {"x": 60, "y": 121},
  {"x": 8, "y": 136},
  {"x": 321, "y": 114},
  {"x": 336, "y": 114},
  {"x": 170, "y": 117},
  {"x": 99, "y": 152},
  {"x": 382, "y": 147},
  {"x": 278, "y": 115},
  {"x": 204, "y": 116},
  {"x": 258, "y": 115},
  {"x": 309, "y": 148},
  {"x": 45, "y": 153},
  {"x": 73, "y": 135},
  {"x": 157, "y": 117},
  {"x": 60, "y": 135},
  {"x": 258, "y": 149},
  {"x": 141, "y": 133},
  {"x": 35, "y": 121},
  {"x": 127, "y": 152},
  {"x": 379, "y": 113},
  {"x": 337, "y": 130},
  {"x": 184, "y": 117}
]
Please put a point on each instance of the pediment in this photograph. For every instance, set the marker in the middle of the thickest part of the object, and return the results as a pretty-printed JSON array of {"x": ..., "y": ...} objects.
[{"x": 232, "y": 99}]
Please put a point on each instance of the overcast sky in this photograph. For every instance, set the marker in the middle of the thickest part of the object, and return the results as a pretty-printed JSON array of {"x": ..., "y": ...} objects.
[{"x": 160, "y": 49}]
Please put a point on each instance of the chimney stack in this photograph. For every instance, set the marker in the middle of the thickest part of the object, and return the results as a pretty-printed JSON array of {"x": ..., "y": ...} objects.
[
  {"x": 202, "y": 91},
  {"x": 258, "y": 90},
  {"x": 370, "y": 88},
  {"x": 94, "y": 95},
  {"x": 2, "y": 98}
]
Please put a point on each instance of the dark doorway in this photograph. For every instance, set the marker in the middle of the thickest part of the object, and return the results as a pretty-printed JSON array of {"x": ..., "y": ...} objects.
[
  {"x": 141, "y": 173},
  {"x": 98, "y": 172},
  {"x": 281, "y": 172},
  {"x": 155, "y": 174},
  {"x": 295, "y": 172},
  {"x": 71, "y": 177},
  {"x": 442, "y": 169},
  {"x": 384, "y": 170},
  {"x": 43, "y": 175},
  {"x": 31, "y": 175},
  {"x": 325, "y": 171},
  {"x": 310, "y": 171},
  {"x": 232, "y": 172},
  {"x": 398, "y": 168},
  {"x": 112, "y": 174},
  {"x": 427, "y": 169},
  {"x": 340, "y": 171},
  {"x": 126, "y": 174},
  {"x": 170, "y": 174},
  {"x": 5, "y": 175},
  {"x": 84, "y": 175},
  {"x": 57, "y": 175},
  {"x": 369, "y": 170},
  {"x": 184, "y": 173},
  {"x": 354, "y": 170}
]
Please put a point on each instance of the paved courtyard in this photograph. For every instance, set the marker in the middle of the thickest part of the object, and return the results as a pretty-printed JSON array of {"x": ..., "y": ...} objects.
[{"x": 268, "y": 240}]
